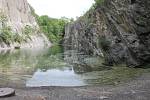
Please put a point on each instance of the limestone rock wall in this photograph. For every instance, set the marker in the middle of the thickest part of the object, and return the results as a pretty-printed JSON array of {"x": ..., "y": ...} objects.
[{"x": 19, "y": 14}]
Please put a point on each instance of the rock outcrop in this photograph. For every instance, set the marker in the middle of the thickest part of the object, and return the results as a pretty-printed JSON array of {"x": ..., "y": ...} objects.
[
  {"x": 18, "y": 15},
  {"x": 119, "y": 30}
]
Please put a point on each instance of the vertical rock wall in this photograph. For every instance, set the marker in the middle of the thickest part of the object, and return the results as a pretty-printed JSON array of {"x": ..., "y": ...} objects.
[
  {"x": 118, "y": 28},
  {"x": 19, "y": 15}
]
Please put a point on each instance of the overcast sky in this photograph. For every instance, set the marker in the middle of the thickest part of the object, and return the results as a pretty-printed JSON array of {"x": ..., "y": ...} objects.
[{"x": 61, "y": 8}]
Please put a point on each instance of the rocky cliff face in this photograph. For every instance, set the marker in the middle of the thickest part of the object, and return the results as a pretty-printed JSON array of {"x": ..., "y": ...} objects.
[
  {"x": 119, "y": 30},
  {"x": 19, "y": 15}
]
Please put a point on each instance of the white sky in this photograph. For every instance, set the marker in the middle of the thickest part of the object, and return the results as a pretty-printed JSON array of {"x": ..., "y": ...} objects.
[{"x": 61, "y": 8}]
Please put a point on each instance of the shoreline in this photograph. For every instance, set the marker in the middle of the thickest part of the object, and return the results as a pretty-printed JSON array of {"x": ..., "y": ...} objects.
[{"x": 137, "y": 89}]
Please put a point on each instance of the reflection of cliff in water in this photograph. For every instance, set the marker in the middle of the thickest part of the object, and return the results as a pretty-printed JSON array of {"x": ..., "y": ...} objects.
[{"x": 83, "y": 63}]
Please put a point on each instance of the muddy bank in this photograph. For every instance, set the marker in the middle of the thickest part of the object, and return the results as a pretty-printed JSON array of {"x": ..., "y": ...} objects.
[{"x": 137, "y": 89}]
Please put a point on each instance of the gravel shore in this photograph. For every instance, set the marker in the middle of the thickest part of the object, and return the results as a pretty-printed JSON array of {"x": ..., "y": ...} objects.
[{"x": 137, "y": 89}]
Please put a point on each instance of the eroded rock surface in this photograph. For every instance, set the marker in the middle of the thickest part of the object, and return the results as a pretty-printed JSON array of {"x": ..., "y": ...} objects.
[
  {"x": 19, "y": 14},
  {"x": 116, "y": 29}
]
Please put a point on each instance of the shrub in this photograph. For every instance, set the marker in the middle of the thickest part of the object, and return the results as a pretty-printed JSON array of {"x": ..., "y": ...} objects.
[
  {"x": 28, "y": 30},
  {"x": 6, "y": 35},
  {"x": 3, "y": 18},
  {"x": 18, "y": 38}
]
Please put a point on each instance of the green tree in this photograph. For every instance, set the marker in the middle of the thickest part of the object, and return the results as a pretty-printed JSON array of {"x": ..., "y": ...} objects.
[{"x": 52, "y": 27}]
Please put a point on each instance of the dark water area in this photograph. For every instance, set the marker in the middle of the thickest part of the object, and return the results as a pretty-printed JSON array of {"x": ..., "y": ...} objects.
[{"x": 48, "y": 67}]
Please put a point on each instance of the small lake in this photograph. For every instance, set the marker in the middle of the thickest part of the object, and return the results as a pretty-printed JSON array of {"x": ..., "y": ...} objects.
[{"x": 46, "y": 67}]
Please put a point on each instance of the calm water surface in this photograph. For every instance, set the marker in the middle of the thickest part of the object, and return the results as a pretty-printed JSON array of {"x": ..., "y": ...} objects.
[{"x": 44, "y": 67}]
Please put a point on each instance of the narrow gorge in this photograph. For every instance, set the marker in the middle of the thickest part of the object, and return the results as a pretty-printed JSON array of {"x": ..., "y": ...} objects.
[{"x": 102, "y": 55}]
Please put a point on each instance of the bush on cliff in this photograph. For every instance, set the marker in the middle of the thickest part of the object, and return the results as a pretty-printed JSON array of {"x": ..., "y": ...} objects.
[
  {"x": 98, "y": 2},
  {"x": 6, "y": 35}
]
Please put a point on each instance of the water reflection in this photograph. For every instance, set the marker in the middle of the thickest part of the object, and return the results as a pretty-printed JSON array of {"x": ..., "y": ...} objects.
[
  {"x": 46, "y": 67},
  {"x": 55, "y": 77}
]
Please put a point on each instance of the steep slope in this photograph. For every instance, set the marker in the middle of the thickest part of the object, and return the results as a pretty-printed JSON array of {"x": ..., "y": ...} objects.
[
  {"x": 17, "y": 16},
  {"x": 119, "y": 30}
]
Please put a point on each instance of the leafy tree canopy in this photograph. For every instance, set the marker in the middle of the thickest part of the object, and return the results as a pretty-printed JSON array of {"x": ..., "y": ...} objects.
[{"x": 52, "y": 27}]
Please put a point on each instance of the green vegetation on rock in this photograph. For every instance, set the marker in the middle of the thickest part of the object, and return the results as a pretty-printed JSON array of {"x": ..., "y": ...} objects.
[
  {"x": 8, "y": 36},
  {"x": 98, "y": 2}
]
